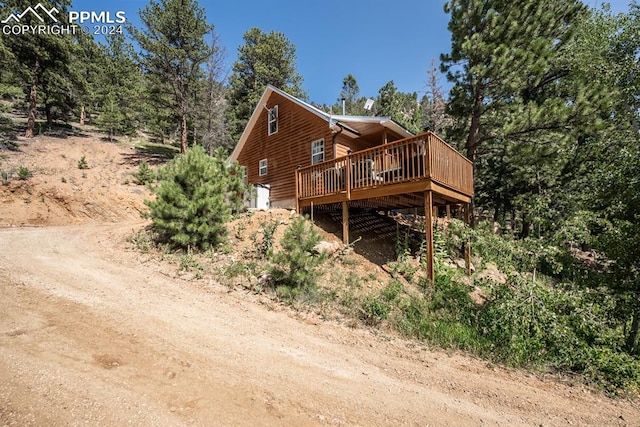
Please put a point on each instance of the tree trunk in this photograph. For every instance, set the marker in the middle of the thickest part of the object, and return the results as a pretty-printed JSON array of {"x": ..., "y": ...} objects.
[
  {"x": 47, "y": 110},
  {"x": 183, "y": 128},
  {"x": 472, "y": 140},
  {"x": 83, "y": 116},
  {"x": 33, "y": 100},
  {"x": 632, "y": 338}
]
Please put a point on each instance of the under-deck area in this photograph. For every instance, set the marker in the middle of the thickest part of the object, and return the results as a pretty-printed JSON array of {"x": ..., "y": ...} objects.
[{"x": 420, "y": 172}]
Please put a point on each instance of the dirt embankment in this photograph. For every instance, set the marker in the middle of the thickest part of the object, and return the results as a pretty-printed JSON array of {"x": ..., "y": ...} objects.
[{"x": 92, "y": 332}]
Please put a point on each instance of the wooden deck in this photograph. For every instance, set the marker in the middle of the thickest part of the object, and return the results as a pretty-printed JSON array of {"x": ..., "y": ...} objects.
[{"x": 391, "y": 174}]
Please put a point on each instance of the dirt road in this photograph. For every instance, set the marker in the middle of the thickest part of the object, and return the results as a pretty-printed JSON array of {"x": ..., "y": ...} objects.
[{"x": 92, "y": 335}]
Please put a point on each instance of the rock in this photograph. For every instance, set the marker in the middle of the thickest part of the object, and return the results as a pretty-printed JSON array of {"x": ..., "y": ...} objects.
[
  {"x": 265, "y": 280},
  {"x": 327, "y": 247},
  {"x": 460, "y": 263}
]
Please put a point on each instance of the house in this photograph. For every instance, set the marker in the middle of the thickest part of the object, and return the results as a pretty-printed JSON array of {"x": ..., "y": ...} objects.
[
  {"x": 285, "y": 132},
  {"x": 299, "y": 156}
]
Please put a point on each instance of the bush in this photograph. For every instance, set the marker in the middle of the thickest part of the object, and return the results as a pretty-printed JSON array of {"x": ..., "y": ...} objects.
[
  {"x": 24, "y": 173},
  {"x": 264, "y": 248},
  {"x": 145, "y": 174},
  {"x": 5, "y": 176},
  {"x": 82, "y": 163},
  {"x": 195, "y": 197},
  {"x": 296, "y": 265},
  {"x": 373, "y": 310},
  {"x": 445, "y": 315}
]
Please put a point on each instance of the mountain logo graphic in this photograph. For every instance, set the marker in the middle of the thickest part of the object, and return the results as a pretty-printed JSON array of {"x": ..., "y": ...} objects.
[{"x": 33, "y": 10}]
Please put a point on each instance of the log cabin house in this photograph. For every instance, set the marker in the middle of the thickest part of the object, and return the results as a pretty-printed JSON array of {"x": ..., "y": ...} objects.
[{"x": 300, "y": 157}]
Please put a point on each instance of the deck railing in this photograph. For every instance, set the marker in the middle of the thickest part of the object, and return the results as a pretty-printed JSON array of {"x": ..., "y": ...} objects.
[{"x": 421, "y": 157}]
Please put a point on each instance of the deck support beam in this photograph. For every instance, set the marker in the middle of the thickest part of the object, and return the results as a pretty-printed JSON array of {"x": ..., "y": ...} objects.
[
  {"x": 345, "y": 222},
  {"x": 428, "y": 227},
  {"x": 467, "y": 244}
]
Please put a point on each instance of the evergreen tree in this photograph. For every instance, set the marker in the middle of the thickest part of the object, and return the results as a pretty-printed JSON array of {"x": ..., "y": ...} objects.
[
  {"x": 88, "y": 65},
  {"x": 401, "y": 107},
  {"x": 503, "y": 64},
  {"x": 263, "y": 59},
  {"x": 42, "y": 60},
  {"x": 296, "y": 265},
  {"x": 196, "y": 195},
  {"x": 174, "y": 50},
  {"x": 119, "y": 88},
  {"x": 350, "y": 93},
  {"x": 517, "y": 100},
  {"x": 609, "y": 188}
]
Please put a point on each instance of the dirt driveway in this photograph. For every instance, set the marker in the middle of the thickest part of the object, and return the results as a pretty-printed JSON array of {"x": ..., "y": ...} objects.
[{"x": 90, "y": 335}]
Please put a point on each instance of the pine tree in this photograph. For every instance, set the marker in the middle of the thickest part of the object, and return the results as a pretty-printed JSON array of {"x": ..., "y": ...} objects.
[
  {"x": 174, "y": 50},
  {"x": 42, "y": 60},
  {"x": 401, "y": 107},
  {"x": 350, "y": 93},
  {"x": 296, "y": 264},
  {"x": 196, "y": 195},
  {"x": 263, "y": 59},
  {"x": 88, "y": 65},
  {"x": 515, "y": 96},
  {"x": 118, "y": 89},
  {"x": 503, "y": 58}
]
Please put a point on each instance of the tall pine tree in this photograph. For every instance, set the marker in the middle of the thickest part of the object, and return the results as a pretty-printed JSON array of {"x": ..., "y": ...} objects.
[
  {"x": 42, "y": 60},
  {"x": 265, "y": 58},
  {"x": 173, "y": 51},
  {"x": 514, "y": 98}
]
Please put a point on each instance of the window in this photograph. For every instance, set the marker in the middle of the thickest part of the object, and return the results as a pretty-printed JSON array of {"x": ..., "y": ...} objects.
[
  {"x": 262, "y": 170},
  {"x": 317, "y": 151},
  {"x": 273, "y": 120}
]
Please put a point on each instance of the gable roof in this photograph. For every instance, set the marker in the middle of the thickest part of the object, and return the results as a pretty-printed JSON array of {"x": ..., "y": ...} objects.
[{"x": 355, "y": 125}]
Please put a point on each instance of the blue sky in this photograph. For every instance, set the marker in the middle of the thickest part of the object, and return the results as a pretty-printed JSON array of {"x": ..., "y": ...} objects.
[{"x": 376, "y": 41}]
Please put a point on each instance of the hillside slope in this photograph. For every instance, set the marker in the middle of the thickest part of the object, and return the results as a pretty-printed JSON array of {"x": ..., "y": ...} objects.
[{"x": 93, "y": 332}]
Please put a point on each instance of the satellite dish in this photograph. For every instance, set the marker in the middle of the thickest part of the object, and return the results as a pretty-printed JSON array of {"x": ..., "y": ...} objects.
[{"x": 368, "y": 104}]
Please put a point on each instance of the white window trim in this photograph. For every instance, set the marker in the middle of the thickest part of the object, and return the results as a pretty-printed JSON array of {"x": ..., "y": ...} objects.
[
  {"x": 313, "y": 143},
  {"x": 272, "y": 117},
  {"x": 263, "y": 165}
]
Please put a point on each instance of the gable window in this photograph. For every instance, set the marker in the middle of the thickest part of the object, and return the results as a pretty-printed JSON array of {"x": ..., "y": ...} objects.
[
  {"x": 317, "y": 151},
  {"x": 262, "y": 169},
  {"x": 273, "y": 120}
]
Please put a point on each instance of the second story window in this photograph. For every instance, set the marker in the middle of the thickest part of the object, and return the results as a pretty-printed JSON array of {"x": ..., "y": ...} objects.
[
  {"x": 273, "y": 120},
  {"x": 317, "y": 151},
  {"x": 262, "y": 168}
]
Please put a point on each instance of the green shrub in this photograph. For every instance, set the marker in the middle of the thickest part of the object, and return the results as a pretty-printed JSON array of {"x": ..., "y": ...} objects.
[
  {"x": 82, "y": 163},
  {"x": 616, "y": 372},
  {"x": 145, "y": 175},
  {"x": 297, "y": 265},
  {"x": 24, "y": 173},
  {"x": 196, "y": 195},
  {"x": 373, "y": 310},
  {"x": 529, "y": 323},
  {"x": 392, "y": 291},
  {"x": 264, "y": 248}
]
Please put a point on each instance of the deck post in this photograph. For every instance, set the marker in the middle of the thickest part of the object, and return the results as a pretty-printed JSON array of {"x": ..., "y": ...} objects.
[
  {"x": 298, "y": 190},
  {"x": 345, "y": 222},
  {"x": 347, "y": 176},
  {"x": 448, "y": 208},
  {"x": 467, "y": 245},
  {"x": 428, "y": 227}
]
